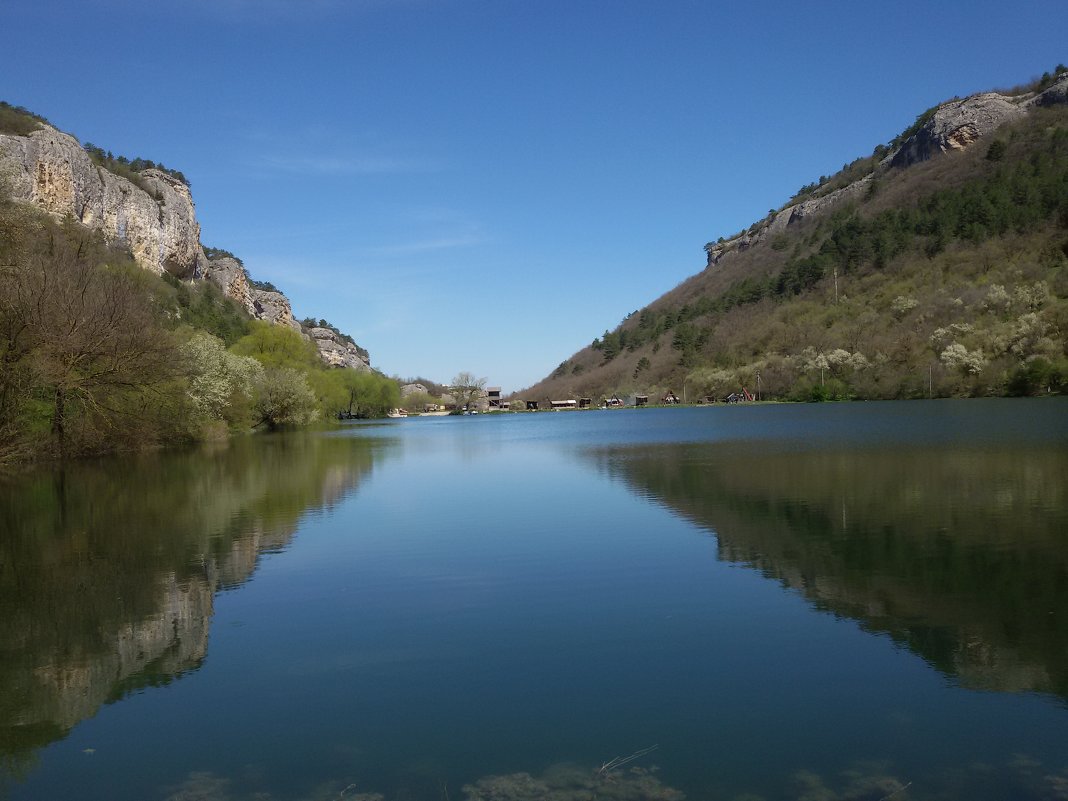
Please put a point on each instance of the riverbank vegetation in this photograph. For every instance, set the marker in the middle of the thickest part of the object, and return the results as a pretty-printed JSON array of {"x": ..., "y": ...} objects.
[{"x": 99, "y": 355}]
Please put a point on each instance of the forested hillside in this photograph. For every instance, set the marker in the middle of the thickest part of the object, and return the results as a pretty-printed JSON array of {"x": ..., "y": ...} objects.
[{"x": 937, "y": 266}]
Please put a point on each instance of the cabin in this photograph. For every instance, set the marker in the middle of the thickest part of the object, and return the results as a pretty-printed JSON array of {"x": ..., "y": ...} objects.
[
  {"x": 639, "y": 400},
  {"x": 563, "y": 404},
  {"x": 585, "y": 403},
  {"x": 669, "y": 398},
  {"x": 532, "y": 406},
  {"x": 612, "y": 403},
  {"x": 493, "y": 397}
]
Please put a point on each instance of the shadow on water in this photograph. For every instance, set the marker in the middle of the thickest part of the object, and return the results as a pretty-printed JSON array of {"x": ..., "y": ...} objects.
[
  {"x": 108, "y": 571},
  {"x": 958, "y": 553}
]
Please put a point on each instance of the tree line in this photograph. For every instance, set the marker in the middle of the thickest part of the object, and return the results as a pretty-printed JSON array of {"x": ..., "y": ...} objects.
[{"x": 99, "y": 355}]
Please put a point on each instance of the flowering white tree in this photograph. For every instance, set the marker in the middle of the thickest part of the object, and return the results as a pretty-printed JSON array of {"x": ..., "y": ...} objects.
[
  {"x": 216, "y": 376},
  {"x": 958, "y": 357}
]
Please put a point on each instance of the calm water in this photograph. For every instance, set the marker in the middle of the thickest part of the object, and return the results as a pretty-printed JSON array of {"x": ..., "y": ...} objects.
[{"x": 797, "y": 602}]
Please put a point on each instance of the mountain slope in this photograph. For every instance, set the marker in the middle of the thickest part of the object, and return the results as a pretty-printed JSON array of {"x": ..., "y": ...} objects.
[{"x": 936, "y": 266}]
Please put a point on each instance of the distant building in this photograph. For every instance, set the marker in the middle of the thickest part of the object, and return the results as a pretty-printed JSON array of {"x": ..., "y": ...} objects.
[
  {"x": 585, "y": 403},
  {"x": 532, "y": 406},
  {"x": 493, "y": 396},
  {"x": 564, "y": 404}
]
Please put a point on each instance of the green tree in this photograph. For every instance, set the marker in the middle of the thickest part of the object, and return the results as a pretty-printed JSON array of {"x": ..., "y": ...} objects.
[
  {"x": 330, "y": 389},
  {"x": 283, "y": 398},
  {"x": 278, "y": 346},
  {"x": 370, "y": 394}
]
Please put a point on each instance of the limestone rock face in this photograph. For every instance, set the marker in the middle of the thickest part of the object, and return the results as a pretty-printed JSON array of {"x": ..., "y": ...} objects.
[
  {"x": 1055, "y": 95},
  {"x": 273, "y": 307},
  {"x": 788, "y": 216},
  {"x": 232, "y": 280},
  {"x": 957, "y": 124},
  {"x": 51, "y": 170},
  {"x": 335, "y": 351}
]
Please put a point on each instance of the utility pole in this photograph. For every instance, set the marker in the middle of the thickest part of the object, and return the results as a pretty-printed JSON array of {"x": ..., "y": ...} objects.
[{"x": 836, "y": 285}]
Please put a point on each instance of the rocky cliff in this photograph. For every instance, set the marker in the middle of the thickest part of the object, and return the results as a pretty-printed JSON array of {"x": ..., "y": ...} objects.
[
  {"x": 336, "y": 351},
  {"x": 274, "y": 307},
  {"x": 951, "y": 126},
  {"x": 51, "y": 170},
  {"x": 230, "y": 276},
  {"x": 154, "y": 218}
]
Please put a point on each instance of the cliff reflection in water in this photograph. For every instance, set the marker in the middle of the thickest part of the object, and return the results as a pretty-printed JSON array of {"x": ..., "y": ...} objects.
[
  {"x": 108, "y": 573},
  {"x": 960, "y": 554}
]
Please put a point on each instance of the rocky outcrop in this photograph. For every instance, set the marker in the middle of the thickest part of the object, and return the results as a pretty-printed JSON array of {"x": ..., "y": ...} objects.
[
  {"x": 230, "y": 276},
  {"x": 50, "y": 169},
  {"x": 1054, "y": 95},
  {"x": 783, "y": 219},
  {"x": 335, "y": 351},
  {"x": 952, "y": 126},
  {"x": 959, "y": 123},
  {"x": 273, "y": 307},
  {"x": 955, "y": 125}
]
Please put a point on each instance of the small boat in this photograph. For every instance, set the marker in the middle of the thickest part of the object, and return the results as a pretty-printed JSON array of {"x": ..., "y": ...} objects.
[{"x": 397, "y": 413}]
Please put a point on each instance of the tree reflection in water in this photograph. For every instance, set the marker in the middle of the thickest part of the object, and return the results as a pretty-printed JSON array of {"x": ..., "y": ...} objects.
[
  {"x": 960, "y": 554},
  {"x": 108, "y": 571}
]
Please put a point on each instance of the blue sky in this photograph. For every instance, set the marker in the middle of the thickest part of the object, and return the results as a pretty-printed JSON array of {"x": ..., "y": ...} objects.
[{"x": 487, "y": 185}]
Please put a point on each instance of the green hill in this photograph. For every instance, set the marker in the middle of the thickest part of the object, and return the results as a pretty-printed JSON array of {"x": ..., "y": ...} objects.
[{"x": 936, "y": 266}]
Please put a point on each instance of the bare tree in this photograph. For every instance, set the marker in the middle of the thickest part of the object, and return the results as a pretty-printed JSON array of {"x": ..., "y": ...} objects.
[
  {"x": 466, "y": 389},
  {"x": 88, "y": 332}
]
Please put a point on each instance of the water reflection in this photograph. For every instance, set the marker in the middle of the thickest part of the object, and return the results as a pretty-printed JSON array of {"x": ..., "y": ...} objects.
[
  {"x": 960, "y": 554},
  {"x": 108, "y": 572}
]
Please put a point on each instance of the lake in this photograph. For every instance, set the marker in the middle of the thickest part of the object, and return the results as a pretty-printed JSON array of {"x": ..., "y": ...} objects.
[{"x": 836, "y": 601}]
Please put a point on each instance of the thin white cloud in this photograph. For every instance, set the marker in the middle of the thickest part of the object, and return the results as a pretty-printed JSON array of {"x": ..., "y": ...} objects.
[
  {"x": 329, "y": 150},
  {"x": 340, "y": 165},
  {"x": 429, "y": 245}
]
